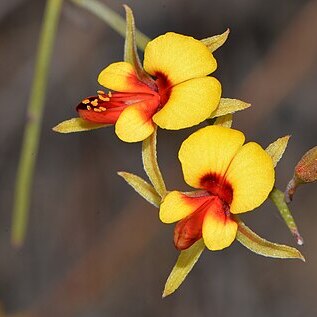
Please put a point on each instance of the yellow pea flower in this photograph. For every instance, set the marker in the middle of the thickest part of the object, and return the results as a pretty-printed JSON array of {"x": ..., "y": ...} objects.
[
  {"x": 175, "y": 92},
  {"x": 232, "y": 178}
]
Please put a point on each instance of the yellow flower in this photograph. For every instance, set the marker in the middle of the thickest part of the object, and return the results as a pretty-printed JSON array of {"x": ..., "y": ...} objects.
[
  {"x": 174, "y": 93},
  {"x": 233, "y": 178}
]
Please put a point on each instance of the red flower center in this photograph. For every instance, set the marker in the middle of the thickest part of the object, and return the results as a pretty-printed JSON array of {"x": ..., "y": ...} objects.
[{"x": 189, "y": 230}]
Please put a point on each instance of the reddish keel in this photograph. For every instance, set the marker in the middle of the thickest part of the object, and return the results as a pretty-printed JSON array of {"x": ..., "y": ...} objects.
[
  {"x": 189, "y": 230},
  {"x": 106, "y": 108}
]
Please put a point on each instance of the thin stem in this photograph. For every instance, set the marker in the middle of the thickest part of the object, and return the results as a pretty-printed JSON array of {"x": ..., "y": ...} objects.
[
  {"x": 113, "y": 19},
  {"x": 278, "y": 198},
  {"x": 150, "y": 164},
  {"x": 32, "y": 131}
]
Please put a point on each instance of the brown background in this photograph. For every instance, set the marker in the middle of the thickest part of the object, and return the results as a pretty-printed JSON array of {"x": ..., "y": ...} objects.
[{"x": 94, "y": 247}]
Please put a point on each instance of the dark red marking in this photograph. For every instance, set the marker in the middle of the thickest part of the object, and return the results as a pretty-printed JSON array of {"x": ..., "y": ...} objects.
[{"x": 216, "y": 185}]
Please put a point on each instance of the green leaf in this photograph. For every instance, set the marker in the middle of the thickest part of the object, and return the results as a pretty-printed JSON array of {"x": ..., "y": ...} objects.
[
  {"x": 216, "y": 41},
  {"x": 142, "y": 187},
  {"x": 224, "y": 121},
  {"x": 258, "y": 245},
  {"x": 227, "y": 105},
  {"x": 150, "y": 164},
  {"x": 185, "y": 262},
  {"x": 77, "y": 125},
  {"x": 278, "y": 199},
  {"x": 277, "y": 149}
]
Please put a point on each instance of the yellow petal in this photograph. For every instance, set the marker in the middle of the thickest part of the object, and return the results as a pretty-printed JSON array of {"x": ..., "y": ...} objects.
[
  {"x": 209, "y": 150},
  {"x": 178, "y": 57},
  {"x": 135, "y": 123},
  {"x": 219, "y": 229},
  {"x": 189, "y": 104},
  {"x": 251, "y": 175},
  {"x": 122, "y": 77},
  {"x": 77, "y": 125},
  {"x": 177, "y": 205}
]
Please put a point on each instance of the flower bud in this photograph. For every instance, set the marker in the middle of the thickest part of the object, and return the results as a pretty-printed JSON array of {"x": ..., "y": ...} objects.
[{"x": 305, "y": 172}]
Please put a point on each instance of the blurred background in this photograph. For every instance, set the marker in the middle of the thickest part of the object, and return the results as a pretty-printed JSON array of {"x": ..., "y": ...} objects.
[{"x": 94, "y": 247}]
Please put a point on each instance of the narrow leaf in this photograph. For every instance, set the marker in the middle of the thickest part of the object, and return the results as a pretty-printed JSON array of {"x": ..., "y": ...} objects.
[
  {"x": 142, "y": 187},
  {"x": 277, "y": 149},
  {"x": 185, "y": 262},
  {"x": 130, "y": 49},
  {"x": 224, "y": 121},
  {"x": 77, "y": 125},
  {"x": 214, "y": 42},
  {"x": 150, "y": 164},
  {"x": 227, "y": 105},
  {"x": 258, "y": 245},
  {"x": 278, "y": 198}
]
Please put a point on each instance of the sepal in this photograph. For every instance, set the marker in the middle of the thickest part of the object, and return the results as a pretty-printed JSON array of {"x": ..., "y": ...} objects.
[
  {"x": 142, "y": 187},
  {"x": 227, "y": 105},
  {"x": 277, "y": 149},
  {"x": 224, "y": 121},
  {"x": 216, "y": 41},
  {"x": 260, "y": 246},
  {"x": 77, "y": 125},
  {"x": 185, "y": 262}
]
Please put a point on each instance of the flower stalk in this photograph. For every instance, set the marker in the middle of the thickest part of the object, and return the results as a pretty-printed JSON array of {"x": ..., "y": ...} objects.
[{"x": 32, "y": 132}]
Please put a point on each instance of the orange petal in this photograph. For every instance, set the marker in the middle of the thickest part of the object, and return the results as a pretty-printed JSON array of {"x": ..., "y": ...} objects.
[
  {"x": 178, "y": 58},
  {"x": 135, "y": 122},
  {"x": 219, "y": 229},
  {"x": 208, "y": 151},
  {"x": 189, "y": 103},
  {"x": 177, "y": 205},
  {"x": 251, "y": 175},
  {"x": 122, "y": 77}
]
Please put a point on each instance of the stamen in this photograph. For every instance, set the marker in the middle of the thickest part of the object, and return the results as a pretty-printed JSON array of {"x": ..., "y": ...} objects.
[
  {"x": 86, "y": 101},
  {"x": 110, "y": 94},
  {"x": 103, "y": 98},
  {"x": 88, "y": 108},
  {"x": 94, "y": 102},
  {"x": 97, "y": 110},
  {"x": 102, "y": 108},
  {"x": 100, "y": 92}
]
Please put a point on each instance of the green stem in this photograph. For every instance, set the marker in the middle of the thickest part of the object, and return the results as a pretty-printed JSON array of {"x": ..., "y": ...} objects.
[
  {"x": 278, "y": 198},
  {"x": 33, "y": 125},
  {"x": 113, "y": 19},
  {"x": 150, "y": 164}
]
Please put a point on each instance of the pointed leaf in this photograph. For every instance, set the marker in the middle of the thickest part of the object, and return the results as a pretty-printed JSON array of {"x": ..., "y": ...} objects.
[
  {"x": 185, "y": 262},
  {"x": 258, "y": 245},
  {"x": 142, "y": 187},
  {"x": 227, "y": 105},
  {"x": 77, "y": 125},
  {"x": 224, "y": 121},
  {"x": 277, "y": 149},
  {"x": 214, "y": 42},
  {"x": 150, "y": 164},
  {"x": 130, "y": 47},
  {"x": 278, "y": 199}
]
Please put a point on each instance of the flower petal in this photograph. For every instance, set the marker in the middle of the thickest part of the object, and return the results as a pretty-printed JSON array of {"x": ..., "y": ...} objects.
[
  {"x": 189, "y": 103},
  {"x": 109, "y": 116},
  {"x": 219, "y": 229},
  {"x": 251, "y": 175},
  {"x": 135, "y": 122},
  {"x": 177, "y": 205},
  {"x": 178, "y": 58},
  {"x": 122, "y": 77},
  {"x": 208, "y": 151}
]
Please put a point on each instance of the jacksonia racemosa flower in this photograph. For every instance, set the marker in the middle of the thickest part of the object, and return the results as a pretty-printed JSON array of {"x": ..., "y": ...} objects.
[
  {"x": 174, "y": 93},
  {"x": 232, "y": 178}
]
